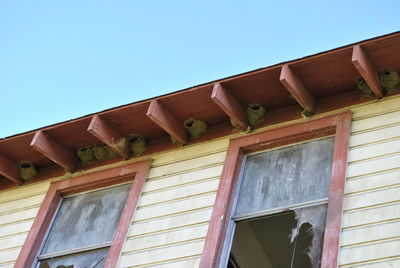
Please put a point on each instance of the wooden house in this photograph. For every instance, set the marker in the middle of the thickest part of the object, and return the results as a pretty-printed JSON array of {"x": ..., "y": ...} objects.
[{"x": 293, "y": 165}]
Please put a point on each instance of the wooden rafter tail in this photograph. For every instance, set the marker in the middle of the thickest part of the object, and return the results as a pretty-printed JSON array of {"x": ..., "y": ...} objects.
[
  {"x": 9, "y": 169},
  {"x": 167, "y": 121},
  {"x": 366, "y": 69},
  {"x": 229, "y": 105},
  {"x": 295, "y": 87},
  {"x": 99, "y": 128},
  {"x": 54, "y": 150}
]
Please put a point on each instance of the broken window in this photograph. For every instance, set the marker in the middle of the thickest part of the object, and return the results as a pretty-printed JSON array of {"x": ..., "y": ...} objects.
[
  {"x": 83, "y": 229},
  {"x": 280, "y": 212}
]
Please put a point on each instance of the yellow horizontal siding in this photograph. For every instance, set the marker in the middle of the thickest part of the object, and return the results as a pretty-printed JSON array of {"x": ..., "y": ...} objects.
[
  {"x": 371, "y": 219},
  {"x": 171, "y": 222}
]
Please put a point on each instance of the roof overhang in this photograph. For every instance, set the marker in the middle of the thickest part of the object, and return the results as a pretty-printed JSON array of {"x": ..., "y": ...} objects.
[{"x": 289, "y": 90}]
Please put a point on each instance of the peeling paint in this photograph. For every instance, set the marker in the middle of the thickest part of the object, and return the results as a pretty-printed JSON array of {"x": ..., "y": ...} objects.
[{"x": 316, "y": 217}]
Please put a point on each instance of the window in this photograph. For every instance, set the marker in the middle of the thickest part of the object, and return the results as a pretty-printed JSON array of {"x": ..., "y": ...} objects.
[
  {"x": 83, "y": 221},
  {"x": 264, "y": 208},
  {"x": 281, "y": 203}
]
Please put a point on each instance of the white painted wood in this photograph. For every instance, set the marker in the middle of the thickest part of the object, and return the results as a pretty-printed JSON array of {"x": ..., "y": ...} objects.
[
  {"x": 16, "y": 228},
  {"x": 9, "y": 255},
  {"x": 190, "y": 152},
  {"x": 175, "y": 207},
  {"x": 24, "y": 191},
  {"x": 376, "y": 121},
  {"x": 167, "y": 238},
  {"x": 9, "y": 265},
  {"x": 374, "y": 150},
  {"x": 185, "y": 191},
  {"x": 371, "y": 215},
  {"x": 21, "y": 215},
  {"x": 372, "y": 198},
  {"x": 385, "y": 263},
  {"x": 21, "y": 204},
  {"x": 374, "y": 181},
  {"x": 370, "y": 233},
  {"x": 13, "y": 241},
  {"x": 186, "y": 263},
  {"x": 376, "y": 108},
  {"x": 368, "y": 252},
  {"x": 187, "y": 165},
  {"x": 377, "y": 135},
  {"x": 373, "y": 165},
  {"x": 171, "y": 222},
  {"x": 184, "y": 178},
  {"x": 162, "y": 254}
]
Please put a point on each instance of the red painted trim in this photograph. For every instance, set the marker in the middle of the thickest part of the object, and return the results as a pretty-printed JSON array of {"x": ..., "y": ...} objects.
[
  {"x": 229, "y": 105},
  {"x": 136, "y": 172},
  {"x": 294, "y": 85},
  {"x": 54, "y": 150},
  {"x": 338, "y": 124},
  {"x": 336, "y": 192},
  {"x": 167, "y": 121},
  {"x": 367, "y": 71},
  {"x": 99, "y": 128},
  {"x": 9, "y": 169}
]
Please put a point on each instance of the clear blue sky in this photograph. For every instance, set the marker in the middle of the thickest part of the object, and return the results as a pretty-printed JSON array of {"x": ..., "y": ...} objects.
[{"x": 64, "y": 59}]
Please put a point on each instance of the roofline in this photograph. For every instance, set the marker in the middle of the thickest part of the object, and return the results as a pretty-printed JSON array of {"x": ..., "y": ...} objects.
[{"x": 228, "y": 78}]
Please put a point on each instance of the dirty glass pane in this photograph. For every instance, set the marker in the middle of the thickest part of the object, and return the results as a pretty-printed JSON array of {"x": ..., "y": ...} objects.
[
  {"x": 87, "y": 219},
  {"x": 285, "y": 176},
  {"x": 88, "y": 259}
]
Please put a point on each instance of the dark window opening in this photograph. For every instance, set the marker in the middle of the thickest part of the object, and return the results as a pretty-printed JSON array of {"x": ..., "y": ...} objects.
[{"x": 292, "y": 239}]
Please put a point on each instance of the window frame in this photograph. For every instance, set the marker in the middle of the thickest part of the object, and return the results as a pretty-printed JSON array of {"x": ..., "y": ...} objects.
[
  {"x": 134, "y": 172},
  {"x": 337, "y": 125}
]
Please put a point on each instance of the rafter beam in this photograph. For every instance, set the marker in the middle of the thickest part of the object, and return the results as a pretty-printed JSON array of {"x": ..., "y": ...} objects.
[
  {"x": 9, "y": 169},
  {"x": 295, "y": 87},
  {"x": 367, "y": 71},
  {"x": 99, "y": 128},
  {"x": 160, "y": 115},
  {"x": 54, "y": 150},
  {"x": 229, "y": 105}
]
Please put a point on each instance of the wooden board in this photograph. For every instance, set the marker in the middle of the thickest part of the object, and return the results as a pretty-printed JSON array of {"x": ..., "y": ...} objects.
[
  {"x": 371, "y": 233},
  {"x": 369, "y": 252},
  {"x": 163, "y": 254},
  {"x": 373, "y": 182}
]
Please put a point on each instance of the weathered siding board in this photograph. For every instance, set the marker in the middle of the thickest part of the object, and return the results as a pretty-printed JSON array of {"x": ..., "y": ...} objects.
[
  {"x": 371, "y": 215},
  {"x": 20, "y": 215},
  {"x": 375, "y": 136},
  {"x": 371, "y": 220},
  {"x": 376, "y": 122},
  {"x": 373, "y": 182},
  {"x": 187, "y": 165},
  {"x": 374, "y": 251},
  {"x": 385, "y": 263},
  {"x": 374, "y": 232},
  {"x": 193, "y": 261},
  {"x": 167, "y": 237},
  {"x": 171, "y": 222},
  {"x": 162, "y": 254},
  {"x": 181, "y": 179},
  {"x": 374, "y": 150}
]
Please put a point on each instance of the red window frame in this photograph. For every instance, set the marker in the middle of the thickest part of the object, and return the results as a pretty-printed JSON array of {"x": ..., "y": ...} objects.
[
  {"x": 337, "y": 125},
  {"x": 136, "y": 172}
]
